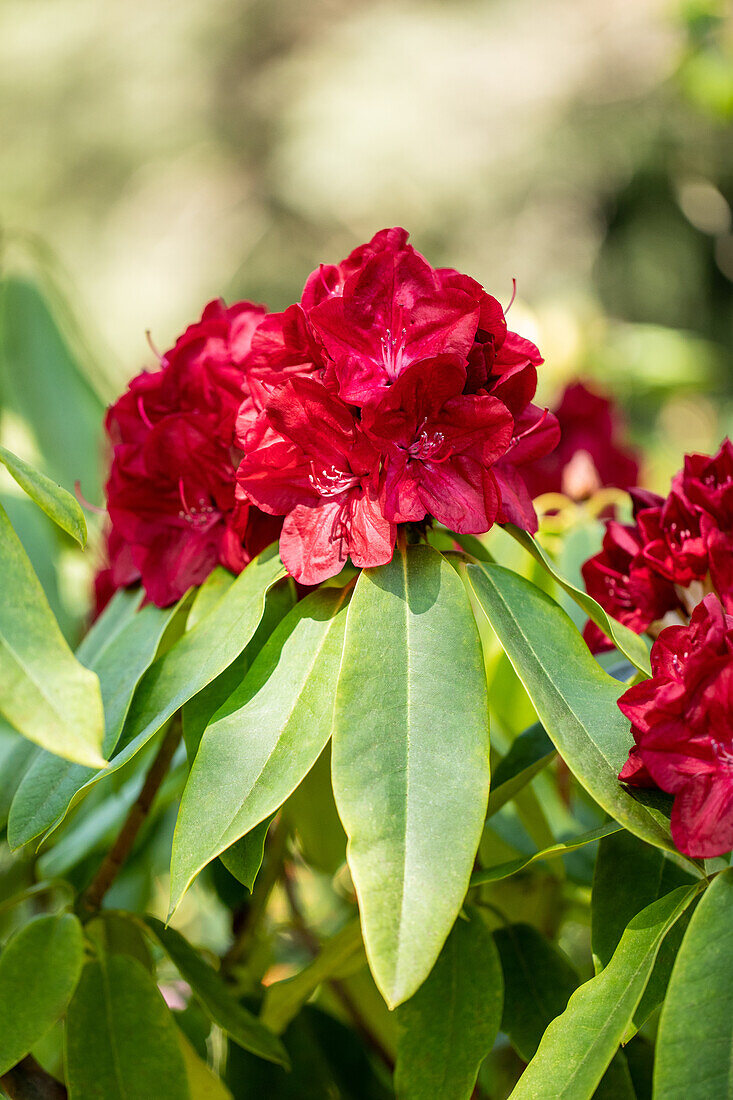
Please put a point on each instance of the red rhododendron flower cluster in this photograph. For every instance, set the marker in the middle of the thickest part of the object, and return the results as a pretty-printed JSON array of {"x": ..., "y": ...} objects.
[
  {"x": 682, "y": 723},
  {"x": 589, "y": 455},
  {"x": 171, "y": 489},
  {"x": 392, "y": 392},
  {"x": 652, "y": 573}
]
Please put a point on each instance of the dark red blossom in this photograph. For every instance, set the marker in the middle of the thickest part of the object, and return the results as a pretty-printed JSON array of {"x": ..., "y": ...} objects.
[
  {"x": 171, "y": 489},
  {"x": 589, "y": 454},
  {"x": 315, "y": 463},
  {"x": 653, "y": 573},
  {"x": 682, "y": 724},
  {"x": 412, "y": 371}
]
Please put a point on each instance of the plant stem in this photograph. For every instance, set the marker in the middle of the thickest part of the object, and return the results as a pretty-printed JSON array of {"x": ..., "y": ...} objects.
[
  {"x": 120, "y": 850},
  {"x": 29, "y": 1081},
  {"x": 348, "y": 1003}
]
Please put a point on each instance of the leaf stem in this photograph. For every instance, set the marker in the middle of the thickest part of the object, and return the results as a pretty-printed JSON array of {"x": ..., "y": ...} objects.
[
  {"x": 120, "y": 850},
  {"x": 29, "y": 1081}
]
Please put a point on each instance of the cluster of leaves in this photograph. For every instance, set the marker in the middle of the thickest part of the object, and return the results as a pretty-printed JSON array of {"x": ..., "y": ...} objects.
[{"x": 400, "y": 922}]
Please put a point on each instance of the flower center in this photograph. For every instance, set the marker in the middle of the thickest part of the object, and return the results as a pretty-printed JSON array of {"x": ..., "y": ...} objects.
[
  {"x": 393, "y": 351},
  {"x": 200, "y": 515},
  {"x": 329, "y": 481},
  {"x": 429, "y": 447}
]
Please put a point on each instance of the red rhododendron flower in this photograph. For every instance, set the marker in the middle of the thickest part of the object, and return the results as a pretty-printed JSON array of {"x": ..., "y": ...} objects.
[
  {"x": 589, "y": 454},
  {"x": 653, "y": 573},
  {"x": 393, "y": 391},
  {"x": 682, "y": 724},
  {"x": 171, "y": 489},
  {"x": 316, "y": 463}
]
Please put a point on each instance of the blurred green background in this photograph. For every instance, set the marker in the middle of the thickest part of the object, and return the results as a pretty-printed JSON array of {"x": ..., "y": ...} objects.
[{"x": 158, "y": 154}]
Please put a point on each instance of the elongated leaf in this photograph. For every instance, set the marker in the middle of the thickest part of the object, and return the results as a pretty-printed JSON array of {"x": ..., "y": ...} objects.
[
  {"x": 625, "y": 640},
  {"x": 630, "y": 875},
  {"x": 538, "y": 982},
  {"x": 217, "y": 999},
  {"x": 121, "y": 1040},
  {"x": 55, "y": 501},
  {"x": 574, "y": 698},
  {"x": 449, "y": 1026},
  {"x": 695, "y": 1040},
  {"x": 203, "y": 1083},
  {"x": 410, "y": 760},
  {"x": 578, "y": 1046},
  {"x": 312, "y": 812},
  {"x": 44, "y": 692},
  {"x": 39, "y": 969},
  {"x": 16, "y": 756},
  {"x": 284, "y": 999},
  {"x": 512, "y": 866},
  {"x": 243, "y": 859},
  {"x": 187, "y": 667},
  {"x": 264, "y": 739},
  {"x": 44, "y": 381},
  {"x": 119, "y": 652},
  {"x": 529, "y": 754}
]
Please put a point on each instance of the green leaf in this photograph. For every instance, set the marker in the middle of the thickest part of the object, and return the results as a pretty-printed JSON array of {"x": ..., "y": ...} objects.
[
  {"x": 449, "y": 1026},
  {"x": 574, "y": 698},
  {"x": 203, "y": 1083},
  {"x": 16, "y": 756},
  {"x": 55, "y": 501},
  {"x": 630, "y": 875},
  {"x": 121, "y": 1040},
  {"x": 39, "y": 969},
  {"x": 243, "y": 859},
  {"x": 578, "y": 1046},
  {"x": 264, "y": 739},
  {"x": 529, "y": 754},
  {"x": 512, "y": 866},
  {"x": 410, "y": 760},
  {"x": 626, "y": 641},
  {"x": 119, "y": 649},
  {"x": 117, "y": 933},
  {"x": 218, "y": 1000},
  {"x": 283, "y": 1000},
  {"x": 44, "y": 692},
  {"x": 695, "y": 1039},
  {"x": 312, "y": 812},
  {"x": 187, "y": 667},
  {"x": 538, "y": 981},
  {"x": 45, "y": 383}
]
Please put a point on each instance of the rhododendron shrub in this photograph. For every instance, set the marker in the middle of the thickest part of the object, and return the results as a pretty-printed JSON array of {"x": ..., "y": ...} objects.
[{"x": 333, "y": 799}]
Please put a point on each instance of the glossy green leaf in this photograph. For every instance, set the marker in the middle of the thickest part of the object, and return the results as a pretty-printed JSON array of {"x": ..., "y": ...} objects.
[
  {"x": 39, "y": 970},
  {"x": 410, "y": 760},
  {"x": 264, "y": 739},
  {"x": 121, "y": 1040},
  {"x": 578, "y": 1046},
  {"x": 55, "y": 501},
  {"x": 203, "y": 1083},
  {"x": 529, "y": 754},
  {"x": 574, "y": 698},
  {"x": 243, "y": 859},
  {"x": 311, "y": 811},
  {"x": 45, "y": 381},
  {"x": 629, "y": 875},
  {"x": 119, "y": 649},
  {"x": 284, "y": 999},
  {"x": 16, "y": 756},
  {"x": 45, "y": 693},
  {"x": 626, "y": 641},
  {"x": 187, "y": 667},
  {"x": 216, "y": 997},
  {"x": 695, "y": 1040},
  {"x": 449, "y": 1026},
  {"x": 512, "y": 866},
  {"x": 117, "y": 933},
  {"x": 538, "y": 981}
]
